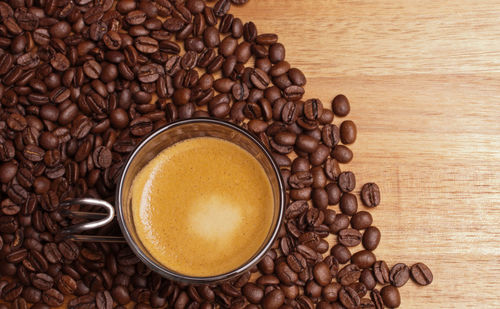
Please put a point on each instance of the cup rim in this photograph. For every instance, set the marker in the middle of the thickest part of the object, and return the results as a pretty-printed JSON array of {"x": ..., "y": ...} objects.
[{"x": 164, "y": 271}]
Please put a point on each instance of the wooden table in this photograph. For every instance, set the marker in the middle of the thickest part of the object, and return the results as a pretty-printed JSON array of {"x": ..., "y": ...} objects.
[{"x": 423, "y": 78}]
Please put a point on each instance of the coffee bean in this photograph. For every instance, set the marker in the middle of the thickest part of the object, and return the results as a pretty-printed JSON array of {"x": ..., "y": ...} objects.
[
  {"x": 390, "y": 296},
  {"x": 31, "y": 294},
  {"x": 348, "y": 132},
  {"x": 313, "y": 109},
  {"x": 349, "y": 274},
  {"x": 381, "y": 272},
  {"x": 363, "y": 259},
  {"x": 253, "y": 293},
  {"x": 259, "y": 78},
  {"x": 370, "y": 194},
  {"x": 371, "y": 238},
  {"x": 66, "y": 284},
  {"x": 52, "y": 297},
  {"x": 348, "y": 204},
  {"x": 341, "y": 253},
  {"x": 347, "y": 181},
  {"x": 349, "y": 237},
  {"x": 306, "y": 143},
  {"x": 334, "y": 193},
  {"x": 399, "y": 275},
  {"x": 341, "y": 106},
  {"x": 341, "y": 222},
  {"x": 322, "y": 274},
  {"x": 273, "y": 300},
  {"x": 104, "y": 300},
  {"x": 146, "y": 44},
  {"x": 330, "y": 135},
  {"x": 285, "y": 274},
  {"x": 33, "y": 153},
  {"x": 361, "y": 220},
  {"x": 342, "y": 154},
  {"x": 42, "y": 281},
  {"x": 12, "y": 291},
  {"x": 60, "y": 62},
  {"x": 368, "y": 279},
  {"x": 421, "y": 274},
  {"x": 7, "y": 171},
  {"x": 349, "y": 298}
]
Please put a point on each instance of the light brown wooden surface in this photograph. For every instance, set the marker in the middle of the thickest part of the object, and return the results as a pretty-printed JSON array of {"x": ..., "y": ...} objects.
[{"x": 423, "y": 78}]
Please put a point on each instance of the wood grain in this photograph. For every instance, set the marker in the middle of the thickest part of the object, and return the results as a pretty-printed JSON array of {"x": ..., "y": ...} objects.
[{"x": 423, "y": 81}]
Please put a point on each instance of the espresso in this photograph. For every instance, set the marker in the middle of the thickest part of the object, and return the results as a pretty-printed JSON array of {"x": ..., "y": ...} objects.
[{"x": 203, "y": 206}]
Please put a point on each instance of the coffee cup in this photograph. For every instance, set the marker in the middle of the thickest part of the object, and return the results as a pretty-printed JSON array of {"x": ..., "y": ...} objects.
[{"x": 158, "y": 141}]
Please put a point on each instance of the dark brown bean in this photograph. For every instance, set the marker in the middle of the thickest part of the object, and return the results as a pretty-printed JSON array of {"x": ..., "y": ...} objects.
[
  {"x": 399, "y": 275},
  {"x": 371, "y": 238},
  {"x": 421, "y": 274},
  {"x": 341, "y": 106}
]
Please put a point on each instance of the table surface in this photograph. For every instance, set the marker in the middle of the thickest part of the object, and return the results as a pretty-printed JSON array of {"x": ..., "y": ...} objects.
[{"x": 423, "y": 79}]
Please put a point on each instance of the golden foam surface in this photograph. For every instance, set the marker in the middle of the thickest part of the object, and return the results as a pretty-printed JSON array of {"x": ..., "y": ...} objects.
[{"x": 202, "y": 207}]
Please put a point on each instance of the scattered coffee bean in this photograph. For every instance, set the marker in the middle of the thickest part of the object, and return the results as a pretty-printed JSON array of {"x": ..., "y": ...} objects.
[
  {"x": 370, "y": 194},
  {"x": 390, "y": 296},
  {"x": 421, "y": 274},
  {"x": 341, "y": 106}
]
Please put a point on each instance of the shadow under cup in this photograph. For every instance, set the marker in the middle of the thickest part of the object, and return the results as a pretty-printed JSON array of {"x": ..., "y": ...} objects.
[{"x": 166, "y": 137}]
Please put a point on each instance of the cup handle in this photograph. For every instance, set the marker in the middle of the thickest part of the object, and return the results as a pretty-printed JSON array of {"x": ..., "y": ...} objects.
[{"x": 101, "y": 219}]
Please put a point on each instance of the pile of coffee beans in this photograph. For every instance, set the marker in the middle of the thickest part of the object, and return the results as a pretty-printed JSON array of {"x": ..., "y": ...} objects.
[{"x": 83, "y": 81}]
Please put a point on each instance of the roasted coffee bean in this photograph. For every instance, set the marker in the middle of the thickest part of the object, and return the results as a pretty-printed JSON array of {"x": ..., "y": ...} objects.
[
  {"x": 266, "y": 265},
  {"x": 31, "y": 294},
  {"x": 59, "y": 62},
  {"x": 341, "y": 222},
  {"x": 390, "y": 296},
  {"x": 421, "y": 274},
  {"x": 377, "y": 299},
  {"x": 347, "y": 181},
  {"x": 12, "y": 291},
  {"x": 33, "y": 153},
  {"x": 253, "y": 293},
  {"x": 319, "y": 156},
  {"x": 104, "y": 300},
  {"x": 348, "y": 204},
  {"x": 334, "y": 193},
  {"x": 361, "y": 220},
  {"x": 341, "y": 106},
  {"x": 371, "y": 238},
  {"x": 146, "y": 44},
  {"x": 399, "y": 275},
  {"x": 348, "y": 132},
  {"x": 306, "y": 143},
  {"x": 17, "y": 256},
  {"x": 330, "y": 135},
  {"x": 273, "y": 299},
  {"x": 285, "y": 274},
  {"x": 52, "y": 297},
  {"x": 42, "y": 281},
  {"x": 259, "y": 78},
  {"x": 320, "y": 199},
  {"x": 363, "y": 259},
  {"x": 7, "y": 171},
  {"x": 370, "y": 194},
  {"x": 349, "y": 237},
  {"x": 321, "y": 273},
  {"x": 66, "y": 284},
  {"x": 313, "y": 109},
  {"x": 381, "y": 272},
  {"x": 342, "y": 154},
  {"x": 349, "y": 274},
  {"x": 349, "y": 297},
  {"x": 368, "y": 279}
]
